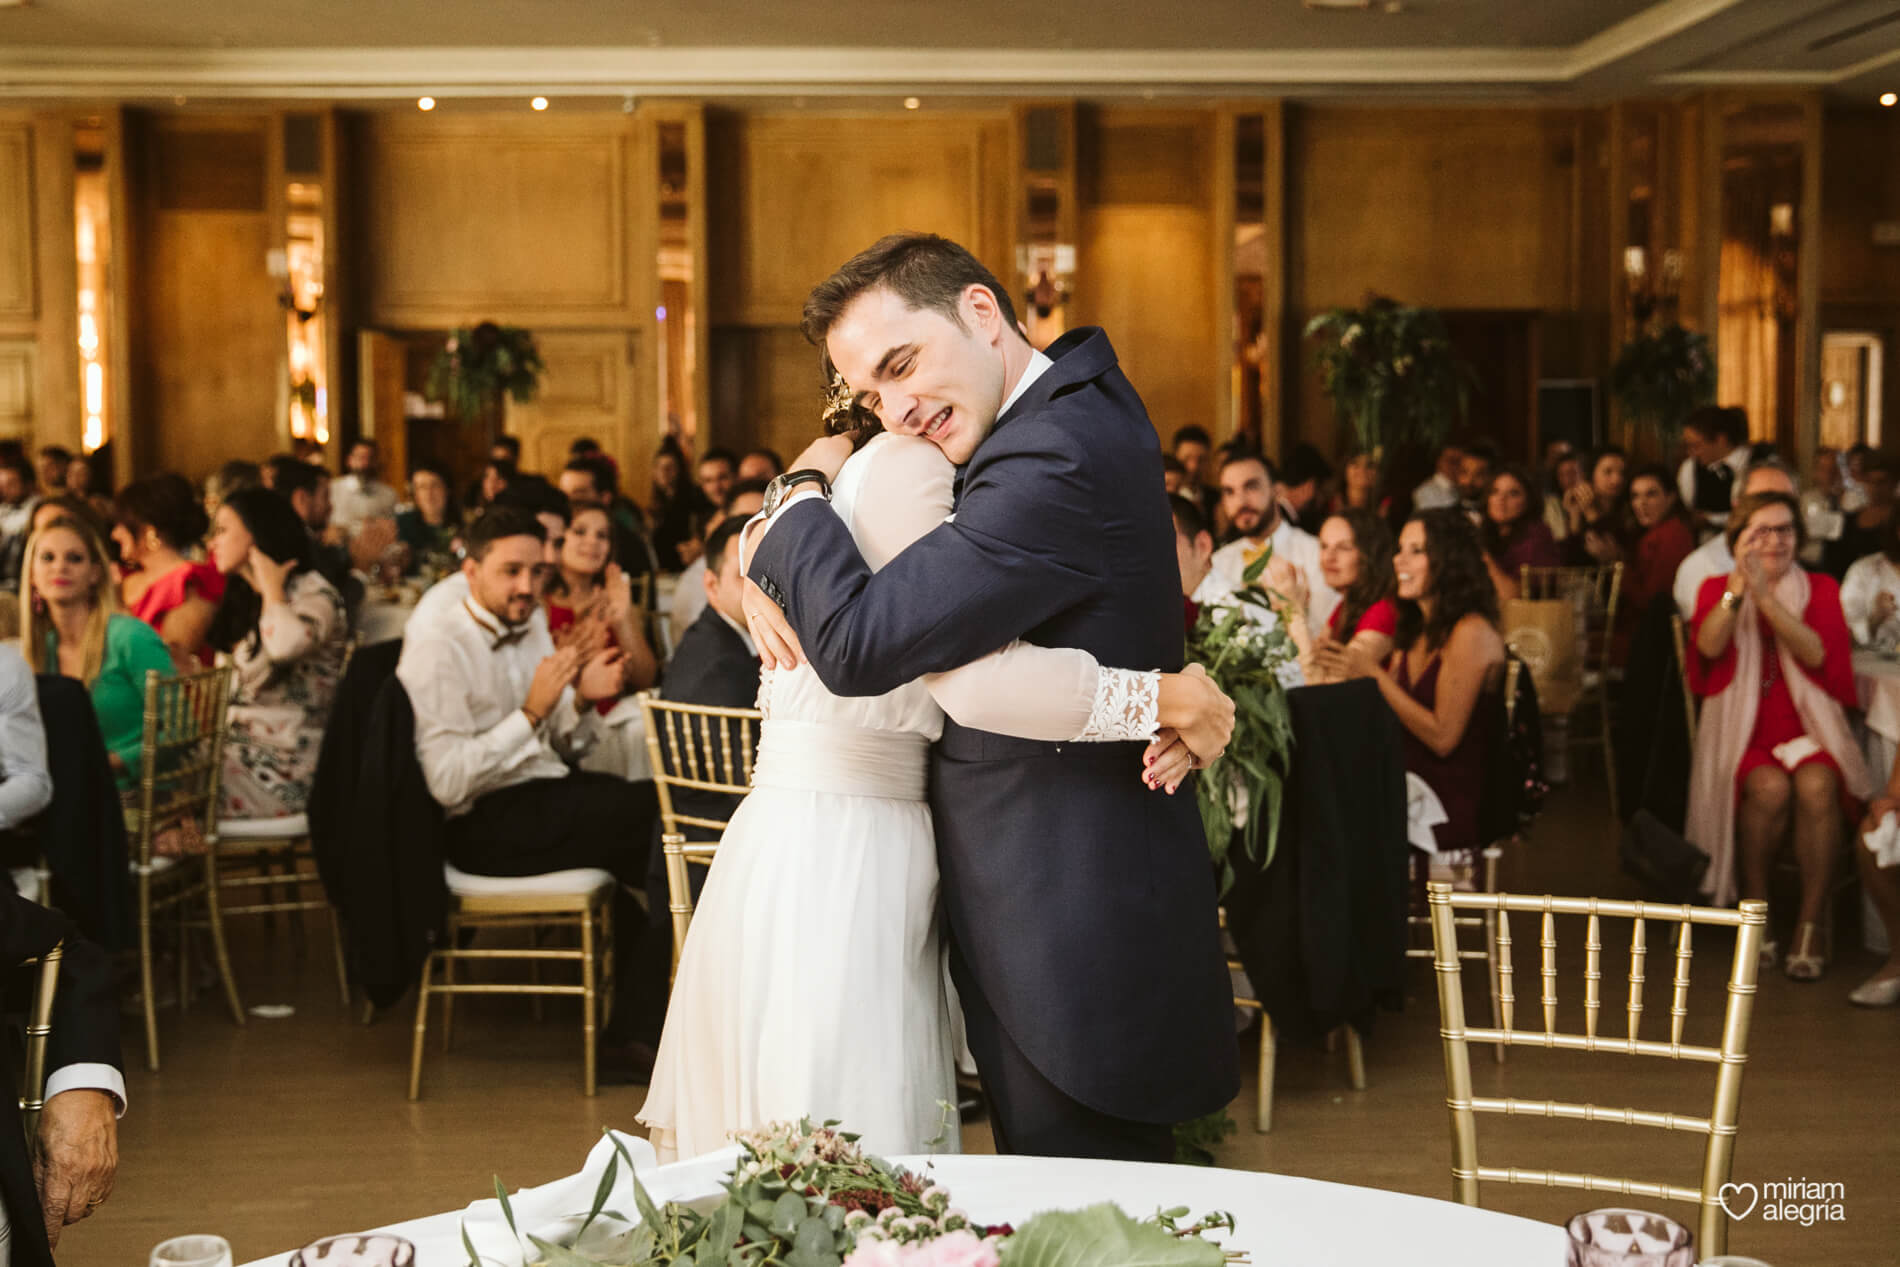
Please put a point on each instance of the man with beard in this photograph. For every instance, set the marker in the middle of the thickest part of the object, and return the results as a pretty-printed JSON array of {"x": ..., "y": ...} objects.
[{"x": 1251, "y": 505}]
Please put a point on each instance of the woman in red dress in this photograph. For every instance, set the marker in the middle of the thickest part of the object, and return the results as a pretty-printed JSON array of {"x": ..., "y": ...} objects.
[
  {"x": 1355, "y": 558},
  {"x": 1773, "y": 660},
  {"x": 1668, "y": 538},
  {"x": 157, "y": 519},
  {"x": 590, "y": 586}
]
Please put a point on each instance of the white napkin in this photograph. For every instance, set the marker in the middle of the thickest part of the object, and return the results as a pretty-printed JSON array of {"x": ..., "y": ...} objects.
[
  {"x": 554, "y": 1211},
  {"x": 1883, "y": 842},
  {"x": 1423, "y": 811}
]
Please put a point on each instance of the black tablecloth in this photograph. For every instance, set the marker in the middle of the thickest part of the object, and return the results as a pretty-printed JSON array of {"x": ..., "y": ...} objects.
[{"x": 1322, "y": 929}]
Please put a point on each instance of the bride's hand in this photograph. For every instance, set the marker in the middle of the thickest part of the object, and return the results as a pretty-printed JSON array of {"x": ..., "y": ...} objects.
[
  {"x": 826, "y": 453},
  {"x": 1166, "y": 762},
  {"x": 771, "y": 632}
]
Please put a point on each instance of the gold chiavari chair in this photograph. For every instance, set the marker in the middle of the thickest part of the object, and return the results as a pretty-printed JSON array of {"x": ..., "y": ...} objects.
[
  {"x": 1596, "y": 590},
  {"x": 694, "y": 748},
  {"x": 1680, "y": 635},
  {"x": 581, "y": 898},
  {"x": 1729, "y": 1058},
  {"x": 39, "y": 1027},
  {"x": 181, "y": 752},
  {"x": 1269, "y": 1050}
]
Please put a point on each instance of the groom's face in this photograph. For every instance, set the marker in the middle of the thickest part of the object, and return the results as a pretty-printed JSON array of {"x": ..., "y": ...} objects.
[{"x": 920, "y": 372}]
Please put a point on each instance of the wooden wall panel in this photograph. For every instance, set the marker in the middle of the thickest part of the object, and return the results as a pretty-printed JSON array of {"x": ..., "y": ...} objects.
[
  {"x": 18, "y": 375},
  {"x": 18, "y": 301},
  {"x": 524, "y": 222},
  {"x": 588, "y": 391},
  {"x": 791, "y": 197},
  {"x": 1860, "y": 187}
]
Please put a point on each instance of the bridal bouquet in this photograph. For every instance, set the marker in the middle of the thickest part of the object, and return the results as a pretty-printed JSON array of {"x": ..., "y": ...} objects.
[
  {"x": 808, "y": 1196},
  {"x": 1240, "y": 790}
]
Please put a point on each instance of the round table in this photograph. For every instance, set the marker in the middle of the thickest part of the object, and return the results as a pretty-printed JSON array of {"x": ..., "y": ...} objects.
[{"x": 1281, "y": 1221}]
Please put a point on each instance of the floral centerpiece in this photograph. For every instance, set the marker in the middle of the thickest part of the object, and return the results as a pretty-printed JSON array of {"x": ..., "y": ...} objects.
[
  {"x": 1390, "y": 372},
  {"x": 1239, "y": 792},
  {"x": 478, "y": 366},
  {"x": 1661, "y": 375},
  {"x": 808, "y": 1196}
]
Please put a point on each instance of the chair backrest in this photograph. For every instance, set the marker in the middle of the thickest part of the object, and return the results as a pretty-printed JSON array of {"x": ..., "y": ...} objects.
[
  {"x": 1719, "y": 1126},
  {"x": 1595, "y": 589},
  {"x": 39, "y": 1027},
  {"x": 1680, "y": 637},
  {"x": 180, "y": 756},
  {"x": 694, "y": 748}
]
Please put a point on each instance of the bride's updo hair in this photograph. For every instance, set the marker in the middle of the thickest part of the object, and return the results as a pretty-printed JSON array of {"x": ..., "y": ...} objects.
[{"x": 843, "y": 414}]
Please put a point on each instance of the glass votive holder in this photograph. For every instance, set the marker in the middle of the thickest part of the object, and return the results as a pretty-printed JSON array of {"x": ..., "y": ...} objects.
[
  {"x": 192, "y": 1251},
  {"x": 1629, "y": 1238},
  {"x": 358, "y": 1249}
]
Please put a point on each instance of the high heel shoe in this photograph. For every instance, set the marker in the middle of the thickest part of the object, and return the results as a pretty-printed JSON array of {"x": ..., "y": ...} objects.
[
  {"x": 1808, "y": 959},
  {"x": 1770, "y": 955},
  {"x": 1876, "y": 992}
]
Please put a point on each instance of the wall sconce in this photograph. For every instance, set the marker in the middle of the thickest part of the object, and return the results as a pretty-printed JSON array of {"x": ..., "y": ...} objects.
[
  {"x": 1050, "y": 269},
  {"x": 1651, "y": 295}
]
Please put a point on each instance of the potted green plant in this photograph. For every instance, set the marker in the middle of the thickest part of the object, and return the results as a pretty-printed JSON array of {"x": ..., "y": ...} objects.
[
  {"x": 1389, "y": 370},
  {"x": 478, "y": 366},
  {"x": 1662, "y": 374}
]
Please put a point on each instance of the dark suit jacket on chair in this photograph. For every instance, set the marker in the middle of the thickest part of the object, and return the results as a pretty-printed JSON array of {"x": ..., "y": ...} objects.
[
  {"x": 1082, "y": 903},
  {"x": 85, "y": 1031},
  {"x": 82, "y": 833}
]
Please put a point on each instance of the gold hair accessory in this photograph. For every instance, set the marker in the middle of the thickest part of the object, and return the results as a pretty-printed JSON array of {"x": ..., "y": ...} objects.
[{"x": 840, "y": 400}]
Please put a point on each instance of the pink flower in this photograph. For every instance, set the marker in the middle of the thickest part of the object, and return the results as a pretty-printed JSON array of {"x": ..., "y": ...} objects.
[{"x": 953, "y": 1249}]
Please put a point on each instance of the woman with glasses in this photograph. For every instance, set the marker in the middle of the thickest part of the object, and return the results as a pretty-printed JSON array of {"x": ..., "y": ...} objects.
[{"x": 1772, "y": 657}]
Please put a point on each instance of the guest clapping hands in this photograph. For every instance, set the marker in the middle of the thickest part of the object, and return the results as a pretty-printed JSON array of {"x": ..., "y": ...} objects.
[{"x": 1355, "y": 556}]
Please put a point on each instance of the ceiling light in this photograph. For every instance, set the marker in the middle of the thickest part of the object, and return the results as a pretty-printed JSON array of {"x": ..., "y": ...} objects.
[
  {"x": 1338, "y": 4},
  {"x": 539, "y": 103},
  {"x": 911, "y": 103},
  {"x": 1888, "y": 98},
  {"x": 425, "y": 103}
]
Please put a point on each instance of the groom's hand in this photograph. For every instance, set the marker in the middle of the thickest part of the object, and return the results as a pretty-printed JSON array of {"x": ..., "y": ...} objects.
[
  {"x": 1198, "y": 711},
  {"x": 771, "y": 632}
]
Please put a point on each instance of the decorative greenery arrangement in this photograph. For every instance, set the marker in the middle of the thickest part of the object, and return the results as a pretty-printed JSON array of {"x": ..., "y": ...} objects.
[
  {"x": 805, "y": 1196},
  {"x": 476, "y": 367},
  {"x": 1246, "y": 660},
  {"x": 1661, "y": 375},
  {"x": 1391, "y": 374}
]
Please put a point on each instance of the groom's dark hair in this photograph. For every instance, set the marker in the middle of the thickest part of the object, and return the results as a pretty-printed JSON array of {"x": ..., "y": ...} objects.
[{"x": 922, "y": 269}]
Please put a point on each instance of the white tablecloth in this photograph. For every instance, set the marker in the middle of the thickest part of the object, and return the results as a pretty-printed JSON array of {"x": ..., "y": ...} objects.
[
  {"x": 1877, "y": 679},
  {"x": 379, "y": 620},
  {"x": 1281, "y": 1220}
]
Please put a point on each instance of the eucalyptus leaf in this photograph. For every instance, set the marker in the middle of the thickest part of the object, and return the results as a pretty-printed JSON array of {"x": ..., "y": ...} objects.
[
  {"x": 601, "y": 1193},
  {"x": 1099, "y": 1235}
]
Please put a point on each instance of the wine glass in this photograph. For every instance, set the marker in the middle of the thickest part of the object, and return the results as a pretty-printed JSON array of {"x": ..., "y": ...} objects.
[
  {"x": 358, "y": 1249},
  {"x": 193, "y": 1251},
  {"x": 1629, "y": 1238}
]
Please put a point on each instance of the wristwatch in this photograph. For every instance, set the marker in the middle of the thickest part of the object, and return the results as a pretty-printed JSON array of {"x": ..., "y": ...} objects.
[
  {"x": 1730, "y": 600},
  {"x": 779, "y": 489}
]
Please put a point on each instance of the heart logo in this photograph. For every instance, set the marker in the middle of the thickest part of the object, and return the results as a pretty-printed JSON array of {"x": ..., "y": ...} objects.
[{"x": 1733, "y": 1192}]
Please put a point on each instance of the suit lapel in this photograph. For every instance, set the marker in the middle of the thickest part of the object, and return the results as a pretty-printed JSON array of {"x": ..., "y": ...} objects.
[{"x": 1081, "y": 355}]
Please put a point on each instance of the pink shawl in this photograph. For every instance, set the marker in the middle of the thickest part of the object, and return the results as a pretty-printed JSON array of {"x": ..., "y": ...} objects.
[{"x": 1728, "y": 723}]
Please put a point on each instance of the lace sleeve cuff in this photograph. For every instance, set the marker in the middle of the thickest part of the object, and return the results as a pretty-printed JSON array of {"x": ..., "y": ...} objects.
[{"x": 1127, "y": 705}]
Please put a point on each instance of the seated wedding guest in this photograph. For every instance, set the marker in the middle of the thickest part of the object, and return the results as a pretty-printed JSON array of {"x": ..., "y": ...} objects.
[
  {"x": 72, "y": 627},
  {"x": 1863, "y": 531},
  {"x": 1514, "y": 532},
  {"x": 1650, "y": 566},
  {"x": 1853, "y": 469},
  {"x": 159, "y": 521},
  {"x": 1882, "y": 884},
  {"x": 1871, "y": 591},
  {"x": 432, "y": 523},
  {"x": 1448, "y": 654},
  {"x": 1194, "y": 552},
  {"x": 1252, "y": 509},
  {"x": 671, "y": 507},
  {"x": 16, "y": 512},
  {"x": 1442, "y": 488},
  {"x": 227, "y": 479},
  {"x": 286, "y": 631},
  {"x": 1194, "y": 450},
  {"x": 498, "y": 710},
  {"x": 588, "y": 481},
  {"x": 54, "y": 462},
  {"x": 761, "y": 464},
  {"x": 1361, "y": 486},
  {"x": 743, "y": 501},
  {"x": 496, "y": 476},
  {"x": 359, "y": 494},
  {"x": 589, "y": 585},
  {"x": 1475, "y": 470},
  {"x": 1716, "y": 440},
  {"x": 715, "y": 473},
  {"x": 1355, "y": 556},
  {"x": 1173, "y": 474},
  {"x": 1601, "y": 494},
  {"x": 307, "y": 489},
  {"x": 1565, "y": 475},
  {"x": 1773, "y": 662},
  {"x": 51, "y": 508},
  {"x": 1306, "y": 487},
  {"x": 26, "y": 787},
  {"x": 1712, "y": 557}
]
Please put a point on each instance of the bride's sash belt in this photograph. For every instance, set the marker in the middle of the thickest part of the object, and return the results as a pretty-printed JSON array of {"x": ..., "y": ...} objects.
[{"x": 844, "y": 760}]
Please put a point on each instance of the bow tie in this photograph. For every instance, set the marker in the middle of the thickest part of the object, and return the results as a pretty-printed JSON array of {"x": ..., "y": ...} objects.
[{"x": 509, "y": 636}]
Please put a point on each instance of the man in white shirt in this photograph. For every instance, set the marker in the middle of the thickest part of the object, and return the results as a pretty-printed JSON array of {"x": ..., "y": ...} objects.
[
  {"x": 1713, "y": 557},
  {"x": 1442, "y": 488},
  {"x": 1249, "y": 503},
  {"x": 359, "y": 495},
  {"x": 499, "y": 711},
  {"x": 25, "y": 786},
  {"x": 689, "y": 593}
]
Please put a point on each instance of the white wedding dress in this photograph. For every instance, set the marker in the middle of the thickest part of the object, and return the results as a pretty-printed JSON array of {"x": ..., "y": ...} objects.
[{"x": 812, "y": 981}]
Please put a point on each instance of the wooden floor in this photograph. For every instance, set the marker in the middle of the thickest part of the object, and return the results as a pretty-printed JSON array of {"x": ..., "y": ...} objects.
[{"x": 286, "y": 1130}]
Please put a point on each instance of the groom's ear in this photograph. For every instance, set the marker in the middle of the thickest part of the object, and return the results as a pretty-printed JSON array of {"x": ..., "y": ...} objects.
[{"x": 981, "y": 311}]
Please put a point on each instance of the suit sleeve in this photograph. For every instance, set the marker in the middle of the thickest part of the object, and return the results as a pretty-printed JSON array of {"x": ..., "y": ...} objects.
[
  {"x": 1021, "y": 549},
  {"x": 86, "y": 1006}
]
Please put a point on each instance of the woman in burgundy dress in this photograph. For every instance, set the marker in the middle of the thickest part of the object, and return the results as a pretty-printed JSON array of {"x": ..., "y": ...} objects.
[
  {"x": 1774, "y": 663},
  {"x": 1649, "y": 568},
  {"x": 1515, "y": 534},
  {"x": 1449, "y": 653}
]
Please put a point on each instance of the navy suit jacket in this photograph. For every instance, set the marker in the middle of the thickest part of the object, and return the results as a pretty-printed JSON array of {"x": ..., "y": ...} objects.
[{"x": 1081, "y": 903}]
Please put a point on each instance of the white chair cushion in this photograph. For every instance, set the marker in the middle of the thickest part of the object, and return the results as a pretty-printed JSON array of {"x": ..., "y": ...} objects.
[
  {"x": 288, "y": 827},
  {"x": 160, "y": 864},
  {"x": 579, "y": 880}
]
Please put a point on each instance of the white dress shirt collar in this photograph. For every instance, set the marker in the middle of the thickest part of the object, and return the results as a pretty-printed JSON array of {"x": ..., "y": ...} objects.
[{"x": 1037, "y": 367}]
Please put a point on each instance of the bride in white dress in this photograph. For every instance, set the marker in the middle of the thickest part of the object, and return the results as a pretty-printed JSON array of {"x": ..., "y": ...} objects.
[{"x": 812, "y": 981}]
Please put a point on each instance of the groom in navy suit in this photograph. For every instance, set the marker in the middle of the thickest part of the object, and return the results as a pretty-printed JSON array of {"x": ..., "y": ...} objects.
[{"x": 1081, "y": 903}]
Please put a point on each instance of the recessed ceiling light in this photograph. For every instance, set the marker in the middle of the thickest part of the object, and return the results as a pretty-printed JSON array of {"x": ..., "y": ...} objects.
[
  {"x": 1338, "y": 4},
  {"x": 911, "y": 103},
  {"x": 539, "y": 103},
  {"x": 425, "y": 103},
  {"x": 1889, "y": 98}
]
